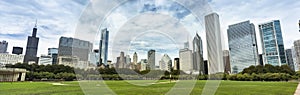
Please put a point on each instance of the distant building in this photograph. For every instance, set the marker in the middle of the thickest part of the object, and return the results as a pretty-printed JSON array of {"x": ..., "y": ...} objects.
[
  {"x": 151, "y": 59},
  {"x": 32, "y": 47},
  {"x": 186, "y": 60},
  {"x": 205, "y": 67},
  {"x": 176, "y": 64},
  {"x": 135, "y": 58},
  {"x": 226, "y": 60},
  {"x": 143, "y": 64},
  {"x": 3, "y": 46},
  {"x": 121, "y": 61},
  {"x": 214, "y": 45},
  {"x": 68, "y": 60},
  {"x": 242, "y": 45},
  {"x": 198, "y": 65},
  {"x": 17, "y": 50},
  {"x": 289, "y": 58},
  {"x": 260, "y": 59},
  {"x": 72, "y": 47},
  {"x": 297, "y": 53},
  {"x": 299, "y": 25},
  {"x": 53, "y": 53},
  {"x": 165, "y": 63},
  {"x": 103, "y": 47},
  {"x": 45, "y": 60},
  {"x": 272, "y": 43},
  {"x": 6, "y": 58}
]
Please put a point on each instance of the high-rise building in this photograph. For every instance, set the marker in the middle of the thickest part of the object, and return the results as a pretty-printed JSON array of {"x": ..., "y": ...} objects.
[
  {"x": 272, "y": 43},
  {"x": 299, "y": 25},
  {"x": 17, "y": 50},
  {"x": 226, "y": 60},
  {"x": 165, "y": 63},
  {"x": 121, "y": 61},
  {"x": 214, "y": 45},
  {"x": 198, "y": 65},
  {"x": 186, "y": 59},
  {"x": 144, "y": 64},
  {"x": 53, "y": 52},
  {"x": 260, "y": 59},
  {"x": 135, "y": 58},
  {"x": 297, "y": 53},
  {"x": 242, "y": 45},
  {"x": 32, "y": 47},
  {"x": 6, "y": 58},
  {"x": 103, "y": 47},
  {"x": 73, "y": 52},
  {"x": 151, "y": 59},
  {"x": 3, "y": 47},
  {"x": 289, "y": 58},
  {"x": 176, "y": 64}
]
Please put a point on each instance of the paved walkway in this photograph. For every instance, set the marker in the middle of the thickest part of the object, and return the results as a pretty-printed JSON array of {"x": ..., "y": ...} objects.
[{"x": 297, "y": 92}]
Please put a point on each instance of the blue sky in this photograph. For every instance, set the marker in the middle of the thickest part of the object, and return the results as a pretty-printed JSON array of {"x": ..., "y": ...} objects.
[{"x": 59, "y": 18}]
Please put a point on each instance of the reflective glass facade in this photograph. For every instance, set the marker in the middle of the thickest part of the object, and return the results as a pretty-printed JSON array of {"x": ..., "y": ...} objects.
[
  {"x": 272, "y": 43},
  {"x": 242, "y": 46}
]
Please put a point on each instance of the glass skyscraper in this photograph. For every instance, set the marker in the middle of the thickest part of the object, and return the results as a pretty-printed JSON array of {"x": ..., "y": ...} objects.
[
  {"x": 272, "y": 43},
  {"x": 242, "y": 46},
  {"x": 103, "y": 47}
]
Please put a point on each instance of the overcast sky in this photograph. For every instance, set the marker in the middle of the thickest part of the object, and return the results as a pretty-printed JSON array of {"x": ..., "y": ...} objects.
[{"x": 58, "y": 18}]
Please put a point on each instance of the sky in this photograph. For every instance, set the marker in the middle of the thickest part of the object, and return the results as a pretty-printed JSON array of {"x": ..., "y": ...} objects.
[{"x": 58, "y": 18}]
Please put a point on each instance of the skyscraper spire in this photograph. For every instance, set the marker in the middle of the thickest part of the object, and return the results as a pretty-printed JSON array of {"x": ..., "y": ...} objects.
[{"x": 35, "y": 26}]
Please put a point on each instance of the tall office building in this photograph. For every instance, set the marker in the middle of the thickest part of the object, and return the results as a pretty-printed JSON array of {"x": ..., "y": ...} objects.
[
  {"x": 32, "y": 47},
  {"x": 226, "y": 60},
  {"x": 198, "y": 65},
  {"x": 151, "y": 59},
  {"x": 165, "y": 63},
  {"x": 176, "y": 64},
  {"x": 3, "y": 47},
  {"x": 186, "y": 60},
  {"x": 135, "y": 58},
  {"x": 53, "y": 52},
  {"x": 272, "y": 43},
  {"x": 242, "y": 45},
  {"x": 72, "y": 47},
  {"x": 297, "y": 53},
  {"x": 214, "y": 45},
  {"x": 103, "y": 47},
  {"x": 121, "y": 61},
  {"x": 289, "y": 58}
]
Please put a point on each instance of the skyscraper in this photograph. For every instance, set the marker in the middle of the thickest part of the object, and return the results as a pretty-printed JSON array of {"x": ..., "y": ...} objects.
[
  {"x": 289, "y": 58},
  {"x": 121, "y": 61},
  {"x": 297, "y": 53},
  {"x": 103, "y": 47},
  {"x": 135, "y": 58},
  {"x": 165, "y": 63},
  {"x": 151, "y": 59},
  {"x": 3, "y": 47},
  {"x": 214, "y": 45},
  {"x": 176, "y": 64},
  {"x": 53, "y": 52},
  {"x": 272, "y": 43},
  {"x": 32, "y": 47},
  {"x": 198, "y": 64},
  {"x": 242, "y": 45},
  {"x": 226, "y": 60},
  {"x": 73, "y": 47},
  {"x": 186, "y": 60}
]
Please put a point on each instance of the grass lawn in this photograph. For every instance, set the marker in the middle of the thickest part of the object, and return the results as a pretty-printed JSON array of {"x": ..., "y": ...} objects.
[{"x": 160, "y": 88}]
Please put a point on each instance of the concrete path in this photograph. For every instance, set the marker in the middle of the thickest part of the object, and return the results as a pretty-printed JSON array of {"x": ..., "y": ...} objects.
[{"x": 297, "y": 92}]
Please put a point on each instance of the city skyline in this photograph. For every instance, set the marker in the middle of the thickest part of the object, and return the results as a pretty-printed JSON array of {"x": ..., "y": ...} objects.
[{"x": 14, "y": 31}]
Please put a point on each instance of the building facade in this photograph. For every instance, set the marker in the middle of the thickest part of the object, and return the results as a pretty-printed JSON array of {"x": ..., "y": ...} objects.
[
  {"x": 242, "y": 45},
  {"x": 226, "y": 60},
  {"x": 6, "y": 58},
  {"x": 3, "y": 47},
  {"x": 103, "y": 47},
  {"x": 165, "y": 63},
  {"x": 32, "y": 47},
  {"x": 186, "y": 60},
  {"x": 198, "y": 64},
  {"x": 272, "y": 43},
  {"x": 289, "y": 58},
  {"x": 45, "y": 60},
  {"x": 17, "y": 50},
  {"x": 176, "y": 64},
  {"x": 214, "y": 44},
  {"x": 297, "y": 53},
  {"x": 151, "y": 59},
  {"x": 53, "y": 53},
  {"x": 121, "y": 61}
]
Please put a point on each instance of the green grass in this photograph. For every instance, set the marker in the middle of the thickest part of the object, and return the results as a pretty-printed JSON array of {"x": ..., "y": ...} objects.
[{"x": 125, "y": 88}]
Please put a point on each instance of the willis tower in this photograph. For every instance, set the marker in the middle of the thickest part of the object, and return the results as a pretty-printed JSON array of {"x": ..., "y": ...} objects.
[{"x": 32, "y": 47}]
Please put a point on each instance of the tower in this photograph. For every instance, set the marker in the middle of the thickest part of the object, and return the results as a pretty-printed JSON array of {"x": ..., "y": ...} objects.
[{"x": 32, "y": 47}]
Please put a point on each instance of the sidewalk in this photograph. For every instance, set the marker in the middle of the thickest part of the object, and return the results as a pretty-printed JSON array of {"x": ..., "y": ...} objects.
[{"x": 297, "y": 92}]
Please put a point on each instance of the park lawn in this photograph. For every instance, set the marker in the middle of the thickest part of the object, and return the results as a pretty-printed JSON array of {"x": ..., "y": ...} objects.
[{"x": 124, "y": 88}]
